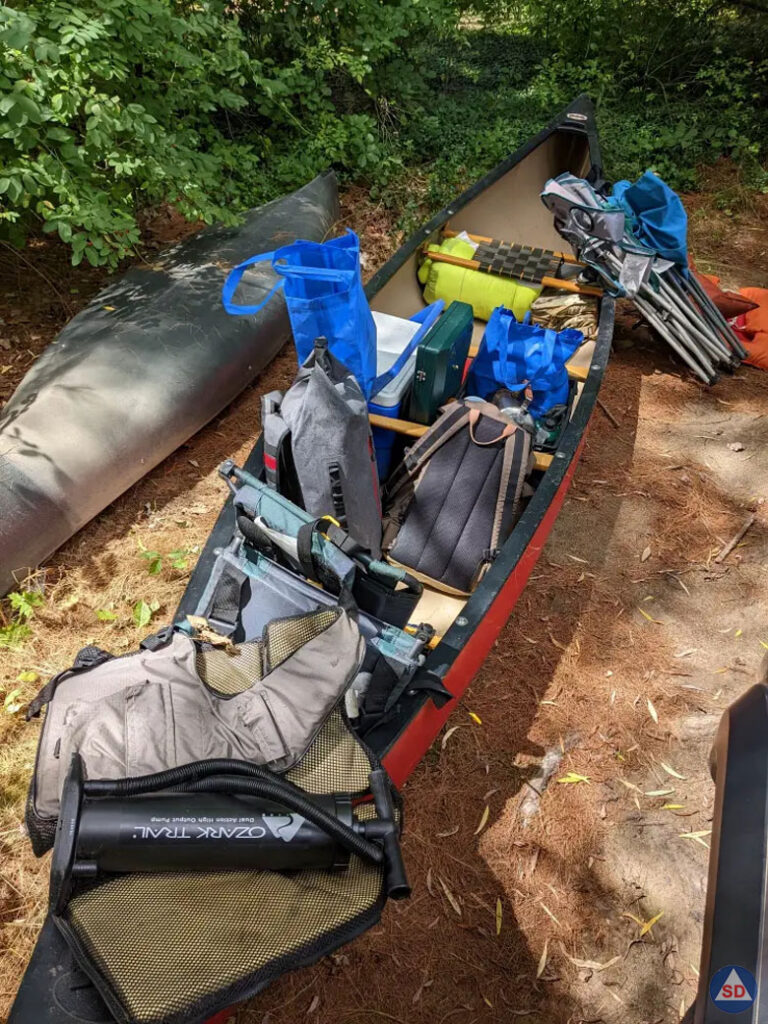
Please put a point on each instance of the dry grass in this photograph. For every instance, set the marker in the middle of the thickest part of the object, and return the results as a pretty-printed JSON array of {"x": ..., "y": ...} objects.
[{"x": 728, "y": 226}]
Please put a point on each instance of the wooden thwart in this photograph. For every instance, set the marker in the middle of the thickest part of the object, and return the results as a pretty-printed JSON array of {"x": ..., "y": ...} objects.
[
  {"x": 566, "y": 257},
  {"x": 541, "y": 460}
]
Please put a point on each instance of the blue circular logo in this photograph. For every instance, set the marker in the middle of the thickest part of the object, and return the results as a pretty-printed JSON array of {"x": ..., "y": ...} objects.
[{"x": 733, "y": 989}]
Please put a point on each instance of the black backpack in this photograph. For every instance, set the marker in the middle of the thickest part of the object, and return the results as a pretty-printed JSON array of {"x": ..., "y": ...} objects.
[{"x": 453, "y": 501}]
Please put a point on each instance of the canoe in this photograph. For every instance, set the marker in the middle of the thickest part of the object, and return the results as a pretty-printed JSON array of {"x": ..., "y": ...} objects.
[
  {"x": 504, "y": 204},
  {"x": 151, "y": 360}
]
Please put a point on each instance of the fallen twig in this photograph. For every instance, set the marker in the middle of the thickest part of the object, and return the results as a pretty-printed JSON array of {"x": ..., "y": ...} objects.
[
  {"x": 734, "y": 540},
  {"x": 608, "y": 413},
  {"x": 550, "y": 763}
]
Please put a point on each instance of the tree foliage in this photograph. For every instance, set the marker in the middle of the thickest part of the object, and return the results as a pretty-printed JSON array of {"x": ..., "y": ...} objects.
[{"x": 107, "y": 107}]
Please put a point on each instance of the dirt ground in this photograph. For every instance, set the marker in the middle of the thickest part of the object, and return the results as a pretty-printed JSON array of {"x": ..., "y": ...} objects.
[{"x": 613, "y": 671}]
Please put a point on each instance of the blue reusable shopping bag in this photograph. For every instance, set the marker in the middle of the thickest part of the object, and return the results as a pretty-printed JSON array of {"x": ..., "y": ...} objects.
[
  {"x": 515, "y": 355},
  {"x": 324, "y": 294}
]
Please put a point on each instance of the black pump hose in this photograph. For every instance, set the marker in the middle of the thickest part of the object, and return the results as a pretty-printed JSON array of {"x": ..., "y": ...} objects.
[
  {"x": 342, "y": 833},
  {"x": 248, "y": 530},
  {"x": 206, "y": 777},
  {"x": 183, "y": 774}
]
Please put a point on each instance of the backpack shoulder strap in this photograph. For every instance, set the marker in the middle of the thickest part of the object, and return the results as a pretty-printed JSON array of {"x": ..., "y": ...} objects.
[
  {"x": 515, "y": 467},
  {"x": 454, "y": 418}
]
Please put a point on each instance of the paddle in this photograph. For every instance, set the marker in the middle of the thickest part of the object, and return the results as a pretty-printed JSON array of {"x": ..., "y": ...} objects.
[{"x": 487, "y": 263}]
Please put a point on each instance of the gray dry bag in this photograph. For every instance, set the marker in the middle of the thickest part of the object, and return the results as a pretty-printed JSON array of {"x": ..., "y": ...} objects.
[{"x": 318, "y": 448}]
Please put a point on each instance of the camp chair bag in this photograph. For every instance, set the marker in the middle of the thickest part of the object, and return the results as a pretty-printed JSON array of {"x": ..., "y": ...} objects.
[
  {"x": 455, "y": 498},
  {"x": 318, "y": 548}
]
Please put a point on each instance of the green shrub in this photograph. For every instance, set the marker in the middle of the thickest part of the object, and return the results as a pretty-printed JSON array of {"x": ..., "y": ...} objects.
[{"x": 106, "y": 106}]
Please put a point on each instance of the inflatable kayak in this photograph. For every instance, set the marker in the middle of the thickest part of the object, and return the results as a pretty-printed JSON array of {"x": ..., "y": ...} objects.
[{"x": 144, "y": 366}]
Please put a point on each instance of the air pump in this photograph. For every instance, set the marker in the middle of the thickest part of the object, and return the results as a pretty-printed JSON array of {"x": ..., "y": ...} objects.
[{"x": 218, "y": 815}]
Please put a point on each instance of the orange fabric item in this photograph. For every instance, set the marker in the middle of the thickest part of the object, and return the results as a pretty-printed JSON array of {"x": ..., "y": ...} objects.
[
  {"x": 752, "y": 327},
  {"x": 730, "y": 304}
]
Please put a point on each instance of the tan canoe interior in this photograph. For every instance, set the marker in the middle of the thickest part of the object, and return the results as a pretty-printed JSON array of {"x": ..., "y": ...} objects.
[{"x": 509, "y": 209}]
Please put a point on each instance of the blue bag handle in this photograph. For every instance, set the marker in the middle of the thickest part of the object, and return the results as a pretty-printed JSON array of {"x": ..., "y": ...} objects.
[
  {"x": 233, "y": 280},
  {"x": 235, "y": 276},
  {"x": 426, "y": 317}
]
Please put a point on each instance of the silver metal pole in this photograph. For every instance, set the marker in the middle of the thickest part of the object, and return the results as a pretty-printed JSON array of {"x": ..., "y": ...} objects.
[
  {"x": 671, "y": 287},
  {"x": 706, "y": 373},
  {"x": 692, "y": 285}
]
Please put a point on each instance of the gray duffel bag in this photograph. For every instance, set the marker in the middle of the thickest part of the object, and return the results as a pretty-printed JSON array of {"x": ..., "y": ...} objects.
[
  {"x": 186, "y": 700},
  {"x": 320, "y": 429}
]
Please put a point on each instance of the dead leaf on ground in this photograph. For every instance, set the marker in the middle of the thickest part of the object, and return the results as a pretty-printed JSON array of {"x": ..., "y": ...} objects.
[
  {"x": 543, "y": 960},
  {"x": 649, "y": 924},
  {"x": 483, "y": 820},
  {"x": 592, "y": 965},
  {"x": 447, "y": 736},
  {"x": 650, "y": 618},
  {"x": 450, "y": 832},
  {"x": 548, "y": 912},
  {"x": 451, "y": 898},
  {"x": 697, "y": 837},
  {"x": 572, "y": 778},
  {"x": 420, "y": 990},
  {"x": 644, "y": 926}
]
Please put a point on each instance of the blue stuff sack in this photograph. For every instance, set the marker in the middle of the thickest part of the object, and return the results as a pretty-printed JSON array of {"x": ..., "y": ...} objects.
[
  {"x": 515, "y": 355},
  {"x": 656, "y": 215},
  {"x": 324, "y": 294}
]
